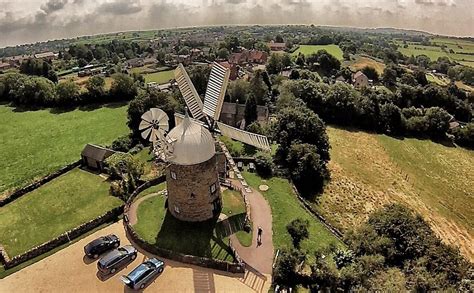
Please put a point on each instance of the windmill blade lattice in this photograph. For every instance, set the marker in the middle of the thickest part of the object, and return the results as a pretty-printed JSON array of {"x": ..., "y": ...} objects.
[
  {"x": 215, "y": 92},
  {"x": 154, "y": 125},
  {"x": 190, "y": 95}
]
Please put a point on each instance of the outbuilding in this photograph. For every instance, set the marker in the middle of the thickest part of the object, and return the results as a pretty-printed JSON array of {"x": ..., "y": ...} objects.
[{"x": 94, "y": 156}]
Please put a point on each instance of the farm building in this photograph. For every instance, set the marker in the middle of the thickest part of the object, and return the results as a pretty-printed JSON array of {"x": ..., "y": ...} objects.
[
  {"x": 93, "y": 156},
  {"x": 359, "y": 79},
  {"x": 276, "y": 46},
  {"x": 46, "y": 56},
  {"x": 233, "y": 114}
]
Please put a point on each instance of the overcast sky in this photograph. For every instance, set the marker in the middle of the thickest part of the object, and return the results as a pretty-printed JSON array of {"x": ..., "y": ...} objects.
[{"x": 25, "y": 21}]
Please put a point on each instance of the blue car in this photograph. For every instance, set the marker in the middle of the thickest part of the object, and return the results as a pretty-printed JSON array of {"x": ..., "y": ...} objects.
[{"x": 144, "y": 273}]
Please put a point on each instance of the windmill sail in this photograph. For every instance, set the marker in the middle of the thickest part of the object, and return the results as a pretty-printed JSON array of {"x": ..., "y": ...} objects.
[
  {"x": 215, "y": 91},
  {"x": 178, "y": 118},
  {"x": 256, "y": 140},
  {"x": 190, "y": 95}
]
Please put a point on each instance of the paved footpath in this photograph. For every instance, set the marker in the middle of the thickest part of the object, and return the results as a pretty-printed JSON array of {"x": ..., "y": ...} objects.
[
  {"x": 68, "y": 271},
  {"x": 259, "y": 258}
]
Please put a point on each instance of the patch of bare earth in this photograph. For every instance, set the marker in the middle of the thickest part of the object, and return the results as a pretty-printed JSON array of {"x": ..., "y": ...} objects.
[{"x": 364, "y": 178}]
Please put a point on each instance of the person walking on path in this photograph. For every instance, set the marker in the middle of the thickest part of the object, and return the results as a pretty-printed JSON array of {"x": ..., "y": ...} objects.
[{"x": 259, "y": 236}]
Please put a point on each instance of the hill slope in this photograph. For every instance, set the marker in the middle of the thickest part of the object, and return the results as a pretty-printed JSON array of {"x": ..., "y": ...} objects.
[{"x": 370, "y": 170}]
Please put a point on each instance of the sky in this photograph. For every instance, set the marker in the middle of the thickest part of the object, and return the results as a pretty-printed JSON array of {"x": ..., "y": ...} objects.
[{"x": 27, "y": 21}]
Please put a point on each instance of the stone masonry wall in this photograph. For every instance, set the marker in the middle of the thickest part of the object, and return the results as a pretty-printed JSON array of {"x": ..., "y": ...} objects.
[{"x": 190, "y": 191}]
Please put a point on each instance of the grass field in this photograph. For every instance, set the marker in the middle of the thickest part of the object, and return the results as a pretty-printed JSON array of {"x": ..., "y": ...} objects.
[
  {"x": 159, "y": 77},
  {"x": 35, "y": 143},
  {"x": 433, "y": 179},
  {"x": 310, "y": 49},
  {"x": 462, "y": 50},
  {"x": 437, "y": 79},
  {"x": 285, "y": 208},
  {"x": 150, "y": 168},
  {"x": 362, "y": 62},
  {"x": 157, "y": 226},
  {"x": 233, "y": 206},
  {"x": 52, "y": 209}
]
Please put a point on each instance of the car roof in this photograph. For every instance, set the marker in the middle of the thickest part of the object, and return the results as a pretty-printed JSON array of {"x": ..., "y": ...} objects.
[
  {"x": 109, "y": 257},
  {"x": 137, "y": 272}
]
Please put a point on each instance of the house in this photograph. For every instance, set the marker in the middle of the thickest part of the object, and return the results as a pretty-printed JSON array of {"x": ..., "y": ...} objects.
[
  {"x": 5, "y": 66},
  {"x": 248, "y": 56},
  {"x": 93, "y": 156},
  {"x": 46, "y": 56},
  {"x": 276, "y": 46},
  {"x": 135, "y": 62},
  {"x": 234, "y": 69},
  {"x": 340, "y": 78},
  {"x": 359, "y": 79},
  {"x": 233, "y": 114}
]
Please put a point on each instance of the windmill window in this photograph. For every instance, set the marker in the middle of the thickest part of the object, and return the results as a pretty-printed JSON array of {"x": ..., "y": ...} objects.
[
  {"x": 213, "y": 188},
  {"x": 176, "y": 209},
  {"x": 173, "y": 175}
]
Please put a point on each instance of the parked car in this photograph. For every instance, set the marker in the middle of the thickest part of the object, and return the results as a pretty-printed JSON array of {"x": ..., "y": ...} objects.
[
  {"x": 101, "y": 245},
  {"x": 144, "y": 273},
  {"x": 116, "y": 259}
]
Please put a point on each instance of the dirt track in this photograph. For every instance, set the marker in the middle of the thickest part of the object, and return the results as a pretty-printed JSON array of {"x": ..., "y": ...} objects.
[{"x": 68, "y": 271}]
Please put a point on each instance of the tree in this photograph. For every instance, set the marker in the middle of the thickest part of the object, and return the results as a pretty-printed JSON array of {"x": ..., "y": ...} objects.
[
  {"x": 274, "y": 64},
  {"x": 285, "y": 268},
  {"x": 258, "y": 88},
  {"x": 123, "y": 87},
  {"x": 151, "y": 98},
  {"x": 223, "y": 53},
  {"x": 199, "y": 75},
  {"x": 33, "y": 91},
  {"x": 465, "y": 136},
  {"x": 250, "y": 113},
  {"x": 420, "y": 77},
  {"x": 390, "y": 118},
  {"x": 279, "y": 39},
  {"x": 308, "y": 171},
  {"x": 122, "y": 144},
  {"x": 438, "y": 121},
  {"x": 67, "y": 93},
  {"x": 328, "y": 62},
  {"x": 238, "y": 90},
  {"x": 389, "y": 76},
  {"x": 121, "y": 164},
  {"x": 371, "y": 73},
  {"x": 264, "y": 165},
  {"x": 95, "y": 85},
  {"x": 298, "y": 230},
  {"x": 300, "y": 124}
]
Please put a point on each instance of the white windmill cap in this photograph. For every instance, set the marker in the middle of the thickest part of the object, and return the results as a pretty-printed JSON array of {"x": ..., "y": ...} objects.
[{"x": 193, "y": 143}]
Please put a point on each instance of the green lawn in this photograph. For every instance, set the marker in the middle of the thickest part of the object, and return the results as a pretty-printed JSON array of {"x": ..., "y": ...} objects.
[
  {"x": 56, "y": 207},
  {"x": 35, "y": 143},
  {"x": 159, "y": 77},
  {"x": 234, "y": 208},
  {"x": 285, "y": 208},
  {"x": 157, "y": 226},
  {"x": 310, "y": 49}
]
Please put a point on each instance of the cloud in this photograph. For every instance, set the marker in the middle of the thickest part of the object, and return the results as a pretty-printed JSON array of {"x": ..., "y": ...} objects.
[
  {"x": 120, "y": 7},
  {"x": 36, "y": 20},
  {"x": 53, "y": 5}
]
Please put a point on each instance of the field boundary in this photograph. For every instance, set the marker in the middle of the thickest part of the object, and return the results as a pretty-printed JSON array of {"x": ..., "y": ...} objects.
[
  {"x": 60, "y": 240},
  {"x": 38, "y": 183},
  {"x": 304, "y": 203}
]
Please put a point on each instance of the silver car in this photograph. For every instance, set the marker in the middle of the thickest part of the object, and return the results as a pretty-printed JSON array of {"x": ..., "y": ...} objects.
[
  {"x": 116, "y": 259},
  {"x": 144, "y": 273}
]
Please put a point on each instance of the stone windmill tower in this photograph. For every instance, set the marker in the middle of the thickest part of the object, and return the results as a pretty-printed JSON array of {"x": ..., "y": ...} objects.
[{"x": 189, "y": 148}]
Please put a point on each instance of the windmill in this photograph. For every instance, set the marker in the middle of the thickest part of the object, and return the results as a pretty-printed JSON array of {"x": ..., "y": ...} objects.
[
  {"x": 208, "y": 113},
  {"x": 189, "y": 148}
]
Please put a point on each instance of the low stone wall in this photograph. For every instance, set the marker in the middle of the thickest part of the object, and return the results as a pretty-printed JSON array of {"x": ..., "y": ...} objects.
[
  {"x": 323, "y": 220},
  {"x": 189, "y": 259},
  {"x": 22, "y": 191},
  {"x": 246, "y": 203},
  {"x": 142, "y": 187},
  {"x": 60, "y": 240}
]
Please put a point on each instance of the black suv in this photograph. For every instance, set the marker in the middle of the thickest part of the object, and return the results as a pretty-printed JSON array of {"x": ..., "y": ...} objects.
[
  {"x": 116, "y": 259},
  {"x": 101, "y": 245}
]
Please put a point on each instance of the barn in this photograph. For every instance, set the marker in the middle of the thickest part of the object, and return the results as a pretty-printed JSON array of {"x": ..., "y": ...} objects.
[{"x": 93, "y": 156}]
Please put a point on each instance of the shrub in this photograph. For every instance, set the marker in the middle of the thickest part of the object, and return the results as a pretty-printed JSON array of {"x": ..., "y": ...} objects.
[
  {"x": 122, "y": 144},
  {"x": 298, "y": 230},
  {"x": 264, "y": 165}
]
